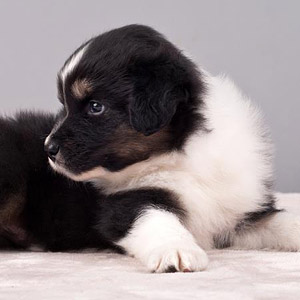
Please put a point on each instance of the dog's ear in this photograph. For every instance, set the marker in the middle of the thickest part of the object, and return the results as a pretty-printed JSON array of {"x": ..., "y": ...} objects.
[{"x": 157, "y": 90}]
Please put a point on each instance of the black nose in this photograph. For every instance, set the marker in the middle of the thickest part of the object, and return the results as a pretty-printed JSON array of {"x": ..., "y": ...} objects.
[{"x": 52, "y": 149}]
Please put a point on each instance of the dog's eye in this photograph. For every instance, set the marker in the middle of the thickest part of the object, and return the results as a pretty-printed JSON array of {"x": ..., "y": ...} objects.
[{"x": 95, "y": 107}]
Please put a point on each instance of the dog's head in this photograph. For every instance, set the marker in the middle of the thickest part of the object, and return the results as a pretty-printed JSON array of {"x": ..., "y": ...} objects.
[{"x": 128, "y": 95}]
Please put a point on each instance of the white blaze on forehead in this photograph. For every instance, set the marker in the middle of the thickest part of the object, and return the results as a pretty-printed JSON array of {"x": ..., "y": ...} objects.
[
  {"x": 73, "y": 62},
  {"x": 47, "y": 140}
]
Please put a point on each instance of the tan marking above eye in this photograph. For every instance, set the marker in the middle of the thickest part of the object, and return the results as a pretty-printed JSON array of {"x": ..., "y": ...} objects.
[{"x": 81, "y": 88}]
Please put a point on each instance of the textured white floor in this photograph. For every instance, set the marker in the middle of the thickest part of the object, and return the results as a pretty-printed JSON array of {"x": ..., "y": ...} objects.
[{"x": 231, "y": 275}]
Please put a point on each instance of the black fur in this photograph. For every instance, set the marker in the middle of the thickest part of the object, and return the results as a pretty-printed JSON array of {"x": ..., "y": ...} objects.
[
  {"x": 267, "y": 209},
  {"x": 119, "y": 211},
  {"x": 37, "y": 205}
]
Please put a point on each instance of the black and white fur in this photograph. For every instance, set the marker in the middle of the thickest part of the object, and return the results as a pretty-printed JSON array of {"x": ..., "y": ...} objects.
[
  {"x": 180, "y": 159},
  {"x": 183, "y": 156}
]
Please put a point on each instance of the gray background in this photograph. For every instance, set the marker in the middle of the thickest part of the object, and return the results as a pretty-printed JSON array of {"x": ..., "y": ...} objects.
[{"x": 256, "y": 42}]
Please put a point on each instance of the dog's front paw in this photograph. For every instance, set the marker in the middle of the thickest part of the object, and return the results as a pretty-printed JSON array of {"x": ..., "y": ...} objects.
[{"x": 177, "y": 258}]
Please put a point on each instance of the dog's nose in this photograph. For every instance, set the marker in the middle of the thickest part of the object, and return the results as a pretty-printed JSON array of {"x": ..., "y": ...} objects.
[{"x": 52, "y": 148}]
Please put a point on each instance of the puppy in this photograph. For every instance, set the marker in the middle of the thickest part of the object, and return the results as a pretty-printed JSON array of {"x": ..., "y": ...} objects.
[{"x": 182, "y": 156}]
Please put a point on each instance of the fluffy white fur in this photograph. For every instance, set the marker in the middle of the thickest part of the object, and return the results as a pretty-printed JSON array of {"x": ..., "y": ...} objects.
[
  {"x": 220, "y": 175},
  {"x": 159, "y": 240}
]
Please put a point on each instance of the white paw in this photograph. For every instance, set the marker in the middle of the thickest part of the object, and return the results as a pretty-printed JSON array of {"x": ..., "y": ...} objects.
[{"x": 177, "y": 258}]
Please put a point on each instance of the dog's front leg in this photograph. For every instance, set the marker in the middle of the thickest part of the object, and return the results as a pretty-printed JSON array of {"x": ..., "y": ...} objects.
[
  {"x": 146, "y": 224},
  {"x": 163, "y": 244}
]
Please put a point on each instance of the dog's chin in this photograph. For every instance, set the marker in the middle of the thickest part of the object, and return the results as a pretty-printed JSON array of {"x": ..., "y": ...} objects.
[{"x": 90, "y": 175}]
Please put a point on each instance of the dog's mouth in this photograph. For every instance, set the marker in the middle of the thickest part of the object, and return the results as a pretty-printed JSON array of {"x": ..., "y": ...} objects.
[{"x": 59, "y": 166}]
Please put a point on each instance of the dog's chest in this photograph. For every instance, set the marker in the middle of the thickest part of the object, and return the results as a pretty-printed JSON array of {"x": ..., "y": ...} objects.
[{"x": 211, "y": 206}]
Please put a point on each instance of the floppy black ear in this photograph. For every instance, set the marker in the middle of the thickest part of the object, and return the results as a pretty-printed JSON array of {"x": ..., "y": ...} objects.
[{"x": 158, "y": 90}]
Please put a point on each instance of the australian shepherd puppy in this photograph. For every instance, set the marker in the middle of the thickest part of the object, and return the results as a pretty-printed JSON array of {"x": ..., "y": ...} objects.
[
  {"x": 171, "y": 160},
  {"x": 182, "y": 157}
]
